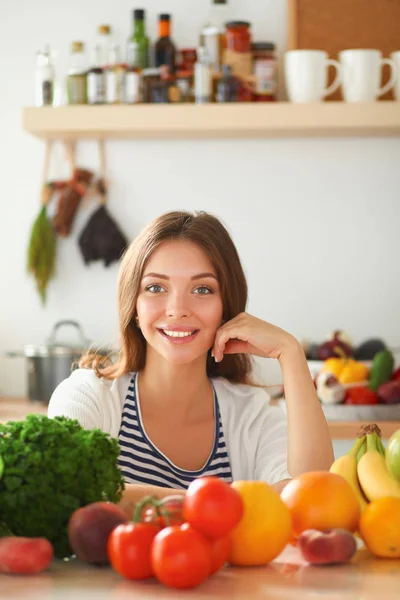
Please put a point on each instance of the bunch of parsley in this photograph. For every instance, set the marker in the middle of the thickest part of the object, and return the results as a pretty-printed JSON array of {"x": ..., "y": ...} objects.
[{"x": 51, "y": 467}]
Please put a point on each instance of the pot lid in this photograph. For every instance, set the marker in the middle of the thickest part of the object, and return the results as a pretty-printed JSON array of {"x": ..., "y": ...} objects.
[
  {"x": 31, "y": 351},
  {"x": 54, "y": 347}
]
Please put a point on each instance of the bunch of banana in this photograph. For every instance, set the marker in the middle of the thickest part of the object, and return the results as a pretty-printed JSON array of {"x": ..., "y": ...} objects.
[
  {"x": 346, "y": 466},
  {"x": 374, "y": 477}
]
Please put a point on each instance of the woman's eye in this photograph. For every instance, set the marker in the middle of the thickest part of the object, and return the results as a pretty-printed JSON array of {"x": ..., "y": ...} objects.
[
  {"x": 203, "y": 290},
  {"x": 154, "y": 288}
]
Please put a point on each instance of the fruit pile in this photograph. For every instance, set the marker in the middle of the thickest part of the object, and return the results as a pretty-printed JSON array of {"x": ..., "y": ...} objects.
[
  {"x": 373, "y": 473},
  {"x": 344, "y": 378},
  {"x": 182, "y": 540}
]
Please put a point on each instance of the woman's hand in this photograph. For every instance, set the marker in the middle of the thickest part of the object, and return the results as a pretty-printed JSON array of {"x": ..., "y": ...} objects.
[{"x": 249, "y": 335}]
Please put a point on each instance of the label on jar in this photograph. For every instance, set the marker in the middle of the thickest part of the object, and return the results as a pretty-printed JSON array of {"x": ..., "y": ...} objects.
[
  {"x": 132, "y": 87},
  {"x": 95, "y": 88},
  {"x": 240, "y": 62},
  {"x": 114, "y": 86},
  {"x": 265, "y": 71}
]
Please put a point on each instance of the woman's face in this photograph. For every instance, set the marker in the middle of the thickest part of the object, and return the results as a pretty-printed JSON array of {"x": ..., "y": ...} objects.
[{"x": 179, "y": 305}]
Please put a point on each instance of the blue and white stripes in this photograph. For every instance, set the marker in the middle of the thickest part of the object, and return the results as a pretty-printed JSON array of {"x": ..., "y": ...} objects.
[{"x": 141, "y": 462}]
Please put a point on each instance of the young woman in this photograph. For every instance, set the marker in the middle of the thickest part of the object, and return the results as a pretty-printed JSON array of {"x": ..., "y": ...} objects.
[{"x": 180, "y": 398}]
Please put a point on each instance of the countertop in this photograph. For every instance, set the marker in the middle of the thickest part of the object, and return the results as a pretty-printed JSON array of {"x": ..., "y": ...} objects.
[
  {"x": 287, "y": 577},
  {"x": 16, "y": 408}
]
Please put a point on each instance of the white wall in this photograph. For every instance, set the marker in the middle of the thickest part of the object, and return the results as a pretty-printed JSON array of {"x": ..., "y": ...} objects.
[{"x": 315, "y": 221}]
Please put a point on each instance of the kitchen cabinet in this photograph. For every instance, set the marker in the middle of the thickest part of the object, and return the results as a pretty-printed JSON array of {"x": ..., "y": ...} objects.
[
  {"x": 286, "y": 577},
  {"x": 214, "y": 121}
]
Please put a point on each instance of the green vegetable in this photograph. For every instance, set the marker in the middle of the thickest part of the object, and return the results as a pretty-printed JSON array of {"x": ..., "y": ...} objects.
[
  {"x": 381, "y": 370},
  {"x": 1, "y": 467},
  {"x": 42, "y": 252},
  {"x": 51, "y": 468},
  {"x": 5, "y": 531}
]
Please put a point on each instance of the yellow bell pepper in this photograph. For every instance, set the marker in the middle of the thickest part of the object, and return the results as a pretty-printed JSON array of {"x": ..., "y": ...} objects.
[{"x": 346, "y": 370}]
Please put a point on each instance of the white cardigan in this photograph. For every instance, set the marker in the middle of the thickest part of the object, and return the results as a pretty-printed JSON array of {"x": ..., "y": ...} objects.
[{"x": 255, "y": 432}]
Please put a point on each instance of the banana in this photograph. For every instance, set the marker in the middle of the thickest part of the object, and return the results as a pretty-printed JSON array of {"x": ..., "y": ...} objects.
[
  {"x": 346, "y": 466},
  {"x": 375, "y": 479}
]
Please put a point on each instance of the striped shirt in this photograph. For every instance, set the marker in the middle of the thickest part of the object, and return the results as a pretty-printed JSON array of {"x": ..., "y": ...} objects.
[{"x": 142, "y": 462}]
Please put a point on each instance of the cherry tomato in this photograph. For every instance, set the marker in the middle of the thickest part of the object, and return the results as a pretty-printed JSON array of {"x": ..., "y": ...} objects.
[
  {"x": 129, "y": 549},
  {"x": 171, "y": 508},
  {"x": 181, "y": 557},
  {"x": 212, "y": 506}
]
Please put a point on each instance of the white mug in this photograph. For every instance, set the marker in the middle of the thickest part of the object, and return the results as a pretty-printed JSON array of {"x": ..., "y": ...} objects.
[
  {"x": 306, "y": 75},
  {"x": 395, "y": 56},
  {"x": 362, "y": 74}
]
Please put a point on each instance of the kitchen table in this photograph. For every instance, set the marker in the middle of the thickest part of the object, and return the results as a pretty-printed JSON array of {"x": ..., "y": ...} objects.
[{"x": 287, "y": 577}]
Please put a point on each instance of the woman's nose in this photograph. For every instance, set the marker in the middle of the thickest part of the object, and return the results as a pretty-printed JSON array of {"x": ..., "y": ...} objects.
[{"x": 178, "y": 306}]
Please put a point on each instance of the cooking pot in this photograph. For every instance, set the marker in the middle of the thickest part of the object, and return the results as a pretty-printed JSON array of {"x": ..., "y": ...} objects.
[{"x": 52, "y": 362}]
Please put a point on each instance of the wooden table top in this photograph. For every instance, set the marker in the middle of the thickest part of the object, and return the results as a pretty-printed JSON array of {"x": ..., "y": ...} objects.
[{"x": 288, "y": 577}]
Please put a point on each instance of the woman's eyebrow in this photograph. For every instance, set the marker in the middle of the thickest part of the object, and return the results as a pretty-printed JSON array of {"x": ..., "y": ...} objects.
[{"x": 161, "y": 276}]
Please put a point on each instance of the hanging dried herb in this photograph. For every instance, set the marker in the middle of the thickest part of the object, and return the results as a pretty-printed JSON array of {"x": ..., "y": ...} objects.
[{"x": 42, "y": 252}]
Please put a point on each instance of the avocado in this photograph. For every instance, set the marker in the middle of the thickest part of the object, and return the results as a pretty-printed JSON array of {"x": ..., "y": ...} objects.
[{"x": 368, "y": 349}]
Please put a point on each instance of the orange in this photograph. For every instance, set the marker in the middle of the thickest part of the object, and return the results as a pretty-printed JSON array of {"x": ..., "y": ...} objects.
[
  {"x": 265, "y": 527},
  {"x": 321, "y": 500},
  {"x": 380, "y": 527}
]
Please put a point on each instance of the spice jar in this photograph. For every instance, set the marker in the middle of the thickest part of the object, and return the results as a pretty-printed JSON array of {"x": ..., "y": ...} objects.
[
  {"x": 238, "y": 55},
  {"x": 265, "y": 70},
  {"x": 150, "y": 80}
]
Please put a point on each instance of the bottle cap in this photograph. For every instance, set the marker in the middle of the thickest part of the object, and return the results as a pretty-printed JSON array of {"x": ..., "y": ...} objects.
[
  {"x": 138, "y": 14},
  {"x": 77, "y": 46},
  {"x": 104, "y": 29},
  {"x": 164, "y": 17}
]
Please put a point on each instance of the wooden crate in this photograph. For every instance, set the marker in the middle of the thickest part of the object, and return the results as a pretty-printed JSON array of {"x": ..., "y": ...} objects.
[{"x": 335, "y": 25}]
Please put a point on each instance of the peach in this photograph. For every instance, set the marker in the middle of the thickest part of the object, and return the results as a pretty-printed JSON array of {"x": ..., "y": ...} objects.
[
  {"x": 328, "y": 546},
  {"x": 89, "y": 528}
]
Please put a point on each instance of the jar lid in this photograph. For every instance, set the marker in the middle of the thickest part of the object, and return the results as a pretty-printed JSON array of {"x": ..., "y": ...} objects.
[
  {"x": 263, "y": 46},
  {"x": 237, "y": 24},
  {"x": 77, "y": 46},
  {"x": 106, "y": 29}
]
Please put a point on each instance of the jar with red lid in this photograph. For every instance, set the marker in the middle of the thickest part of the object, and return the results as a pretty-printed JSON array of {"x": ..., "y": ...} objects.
[
  {"x": 238, "y": 55},
  {"x": 265, "y": 71}
]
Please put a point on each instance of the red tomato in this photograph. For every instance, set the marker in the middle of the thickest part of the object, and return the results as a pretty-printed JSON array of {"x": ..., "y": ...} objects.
[
  {"x": 396, "y": 375},
  {"x": 171, "y": 508},
  {"x": 220, "y": 550},
  {"x": 129, "y": 549},
  {"x": 212, "y": 506},
  {"x": 361, "y": 395},
  {"x": 181, "y": 557}
]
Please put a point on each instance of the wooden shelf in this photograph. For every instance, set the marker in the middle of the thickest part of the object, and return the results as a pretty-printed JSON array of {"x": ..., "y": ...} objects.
[{"x": 213, "y": 121}]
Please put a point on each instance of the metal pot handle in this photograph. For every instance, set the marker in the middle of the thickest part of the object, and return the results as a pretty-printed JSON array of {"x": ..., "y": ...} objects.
[{"x": 52, "y": 338}]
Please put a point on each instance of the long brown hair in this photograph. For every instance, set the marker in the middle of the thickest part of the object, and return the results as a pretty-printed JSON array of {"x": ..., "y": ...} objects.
[{"x": 207, "y": 232}]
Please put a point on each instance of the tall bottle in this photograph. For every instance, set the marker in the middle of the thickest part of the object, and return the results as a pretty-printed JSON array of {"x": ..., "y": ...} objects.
[
  {"x": 165, "y": 50},
  {"x": 212, "y": 34},
  {"x": 115, "y": 75},
  {"x": 202, "y": 78},
  {"x": 139, "y": 38},
  {"x": 76, "y": 75},
  {"x": 95, "y": 79},
  {"x": 104, "y": 40},
  {"x": 132, "y": 91},
  {"x": 44, "y": 78}
]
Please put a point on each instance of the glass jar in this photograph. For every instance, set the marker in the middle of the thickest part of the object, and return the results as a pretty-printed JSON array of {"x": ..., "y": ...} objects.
[
  {"x": 150, "y": 79},
  {"x": 237, "y": 55},
  {"x": 238, "y": 36},
  {"x": 265, "y": 71}
]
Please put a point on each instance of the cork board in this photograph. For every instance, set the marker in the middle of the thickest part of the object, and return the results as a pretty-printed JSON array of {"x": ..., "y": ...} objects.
[{"x": 334, "y": 25}]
